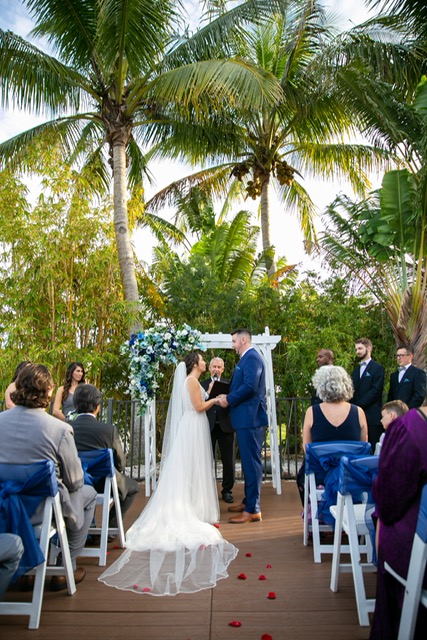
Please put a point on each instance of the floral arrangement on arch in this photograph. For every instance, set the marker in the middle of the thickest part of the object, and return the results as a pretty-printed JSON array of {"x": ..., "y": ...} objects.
[{"x": 148, "y": 349}]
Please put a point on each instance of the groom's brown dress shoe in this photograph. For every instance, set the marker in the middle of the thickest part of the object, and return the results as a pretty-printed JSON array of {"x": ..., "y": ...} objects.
[
  {"x": 246, "y": 517},
  {"x": 237, "y": 508},
  {"x": 58, "y": 583}
]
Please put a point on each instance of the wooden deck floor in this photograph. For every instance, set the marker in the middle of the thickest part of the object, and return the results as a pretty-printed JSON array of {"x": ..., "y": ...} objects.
[{"x": 304, "y": 607}]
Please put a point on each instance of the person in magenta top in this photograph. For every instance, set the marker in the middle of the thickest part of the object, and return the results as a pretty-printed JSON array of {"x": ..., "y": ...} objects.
[{"x": 402, "y": 474}]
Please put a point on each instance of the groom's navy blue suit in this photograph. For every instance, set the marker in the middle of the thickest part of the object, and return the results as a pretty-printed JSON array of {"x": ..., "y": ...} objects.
[{"x": 249, "y": 419}]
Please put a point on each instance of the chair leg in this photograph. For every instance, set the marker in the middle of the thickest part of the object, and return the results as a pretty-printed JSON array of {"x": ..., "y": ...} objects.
[
  {"x": 116, "y": 500},
  {"x": 65, "y": 549},
  {"x": 336, "y": 557},
  {"x": 305, "y": 523},
  {"x": 413, "y": 590},
  {"x": 40, "y": 572},
  {"x": 364, "y": 606},
  {"x": 314, "y": 521}
]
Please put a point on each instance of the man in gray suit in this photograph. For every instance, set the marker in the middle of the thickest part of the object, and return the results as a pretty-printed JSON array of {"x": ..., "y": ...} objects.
[{"x": 28, "y": 434}]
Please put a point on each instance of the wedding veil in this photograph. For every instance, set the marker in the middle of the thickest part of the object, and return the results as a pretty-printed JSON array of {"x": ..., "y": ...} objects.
[{"x": 175, "y": 411}]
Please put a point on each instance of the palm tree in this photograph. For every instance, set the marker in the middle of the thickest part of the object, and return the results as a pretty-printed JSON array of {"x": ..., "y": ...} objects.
[
  {"x": 117, "y": 72},
  {"x": 302, "y": 134},
  {"x": 382, "y": 241}
]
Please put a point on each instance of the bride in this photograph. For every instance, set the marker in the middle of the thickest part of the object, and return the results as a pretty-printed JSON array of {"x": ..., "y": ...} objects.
[{"x": 173, "y": 546}]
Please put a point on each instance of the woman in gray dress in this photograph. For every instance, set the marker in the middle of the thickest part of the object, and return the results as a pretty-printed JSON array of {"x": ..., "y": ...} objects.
[{"x": 63, "y": 405}]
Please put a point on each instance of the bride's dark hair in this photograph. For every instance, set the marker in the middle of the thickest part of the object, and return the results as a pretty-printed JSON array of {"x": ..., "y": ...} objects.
[{"x": 190, "y": 360}]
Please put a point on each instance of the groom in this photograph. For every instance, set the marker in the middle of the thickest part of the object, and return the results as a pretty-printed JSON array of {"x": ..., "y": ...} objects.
[{"x": 249, "y": 419}]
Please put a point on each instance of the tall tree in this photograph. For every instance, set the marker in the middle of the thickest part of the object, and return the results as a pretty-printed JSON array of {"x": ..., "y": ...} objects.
[
  {"x": 116, "y": 71},
  {"x": 306, "y": 132},
  {"x": 60, "y": 290}
]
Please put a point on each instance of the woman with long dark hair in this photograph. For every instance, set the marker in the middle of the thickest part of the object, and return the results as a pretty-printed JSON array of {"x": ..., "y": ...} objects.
[{"x": 63, "y": 405}]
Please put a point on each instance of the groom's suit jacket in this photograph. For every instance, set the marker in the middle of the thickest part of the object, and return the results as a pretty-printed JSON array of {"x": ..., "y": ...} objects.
[
  {"x": 411, "y": 389},
  {"x": 368, "y": 391},
  {"x": 247, "y": 398}
]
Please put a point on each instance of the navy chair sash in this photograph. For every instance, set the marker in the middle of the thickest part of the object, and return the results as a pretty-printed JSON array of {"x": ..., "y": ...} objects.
[
  {"x": 97, "y": 465},
  {"x": 19, "y": 500}
]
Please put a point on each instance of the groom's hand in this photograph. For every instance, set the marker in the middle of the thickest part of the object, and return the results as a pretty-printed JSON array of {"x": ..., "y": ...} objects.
[{"x": 222, "y": 400}]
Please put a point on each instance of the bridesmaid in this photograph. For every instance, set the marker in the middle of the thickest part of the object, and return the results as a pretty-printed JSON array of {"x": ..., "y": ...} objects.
[{"x": 63, "y": 405}]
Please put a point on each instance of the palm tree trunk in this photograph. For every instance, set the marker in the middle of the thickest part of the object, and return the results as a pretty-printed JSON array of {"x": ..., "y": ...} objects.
[
  {"x": 121, "y": 226},
  {"x": 265, "y": 222}
]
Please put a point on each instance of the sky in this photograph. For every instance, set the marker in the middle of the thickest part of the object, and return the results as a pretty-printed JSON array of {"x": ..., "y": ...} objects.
[{"x": 285, "y": 230}]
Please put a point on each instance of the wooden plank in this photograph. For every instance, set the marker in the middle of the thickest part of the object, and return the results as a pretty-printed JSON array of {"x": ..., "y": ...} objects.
[{"x": 304, "y": 606}]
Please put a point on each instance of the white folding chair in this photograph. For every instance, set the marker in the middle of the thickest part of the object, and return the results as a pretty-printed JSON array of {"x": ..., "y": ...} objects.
[
  {"x": 99, "y": 464},
  {"x": 320, "y": 458},
  {"x": 21, "y": 487},
  {"x": 415, "y": 595},
  {"x": 355, "y": 485}
]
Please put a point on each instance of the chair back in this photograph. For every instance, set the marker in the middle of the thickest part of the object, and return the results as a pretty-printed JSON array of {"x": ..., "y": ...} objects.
[
  {"x": 320, "y": 456},
  {"x": 97, "y": 464},
  {"x": 22, "y": 489},
  {"x": 357, "y": 475},
  {"x": 422, "y": 516}
]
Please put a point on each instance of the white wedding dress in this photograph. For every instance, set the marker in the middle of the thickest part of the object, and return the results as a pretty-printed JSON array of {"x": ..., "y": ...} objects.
[{"x": 173, "y": 547}]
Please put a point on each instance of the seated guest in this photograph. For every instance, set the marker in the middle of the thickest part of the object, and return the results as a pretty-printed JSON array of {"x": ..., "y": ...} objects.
[
  {"x": 335, "y": 419},
  {"x": 402, "y": 474},
  {"x": 11, "y": 550},
  {"x": 391, "y": 411},
  {"x": 29, "y": 434},
  {"x": 91, "y": 434}
]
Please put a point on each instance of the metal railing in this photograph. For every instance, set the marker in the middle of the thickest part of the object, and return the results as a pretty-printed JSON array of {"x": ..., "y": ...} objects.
[
  {"x": 290, "y": 415},
  {"x": 125, "y": 415}
]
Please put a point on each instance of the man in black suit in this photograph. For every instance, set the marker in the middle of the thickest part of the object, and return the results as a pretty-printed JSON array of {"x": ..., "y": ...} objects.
[
  {"x": 408, "y": 383},
  {"x": 90, "y": 434},
  {"x": 368, "y": 382},
  {"x": 324, "y": 357},
  {"x": 221, "y": 432}
]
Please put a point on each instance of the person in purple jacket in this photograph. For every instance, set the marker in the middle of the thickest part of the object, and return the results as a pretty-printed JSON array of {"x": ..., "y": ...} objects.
[
  {"x": 247, "y": 402},
  {"x": 402, "y": 474}
]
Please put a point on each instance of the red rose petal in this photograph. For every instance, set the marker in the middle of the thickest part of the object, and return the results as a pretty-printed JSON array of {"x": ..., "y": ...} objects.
[
  {"x": 216, "y": 525},
  {"x": 234, "y": 623},
  {"x": 116, "y": 547},
  {"x": 135, "y": 586},
  {"x": 262, "y": 577},
  {"x": 146, "y": 590},
  {"x": 268, "y": 566},
  {"x": 242, "y": 576},
  {"x": 249, "y": 555},
  {"x": 271, "y": 595},
  {"x": 266, "y": 636}
]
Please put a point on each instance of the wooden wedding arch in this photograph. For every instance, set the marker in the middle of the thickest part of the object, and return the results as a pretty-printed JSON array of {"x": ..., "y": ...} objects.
[{"x": 264, "y": 343}]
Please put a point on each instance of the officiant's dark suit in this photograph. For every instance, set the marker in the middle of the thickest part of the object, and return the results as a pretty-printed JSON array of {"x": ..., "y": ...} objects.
[
  {"x": 222, "y": 432},
  {"x": 368, "y": 394},
  {"x": 90, "y": 434},
  {"x": 411, "y": 389}
]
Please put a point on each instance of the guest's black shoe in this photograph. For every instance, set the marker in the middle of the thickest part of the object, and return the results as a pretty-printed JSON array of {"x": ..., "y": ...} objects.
[
  {"x": 26, "y": 583},
  {"x": 227, "y": 497}
]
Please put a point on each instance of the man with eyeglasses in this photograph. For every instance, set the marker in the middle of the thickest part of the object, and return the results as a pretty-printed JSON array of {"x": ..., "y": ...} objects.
[{"x": 408, "y": 383}]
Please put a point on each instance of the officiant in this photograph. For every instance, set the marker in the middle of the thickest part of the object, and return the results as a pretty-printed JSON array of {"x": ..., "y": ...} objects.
[{"x": 221, "y": 429}]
